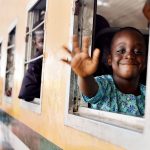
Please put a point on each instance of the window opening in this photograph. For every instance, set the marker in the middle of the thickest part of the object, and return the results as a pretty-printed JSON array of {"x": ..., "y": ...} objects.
[
  {"x": 110, "y": 22},
  {"x": 34, "y": 53},
  {"x": 10, "y": 64}
]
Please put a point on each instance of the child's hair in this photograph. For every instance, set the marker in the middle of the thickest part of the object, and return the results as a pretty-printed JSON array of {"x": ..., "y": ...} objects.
[{"x": 132, "y": 29}]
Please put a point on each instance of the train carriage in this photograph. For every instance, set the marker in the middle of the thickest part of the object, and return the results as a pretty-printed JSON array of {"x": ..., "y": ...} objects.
[{"x": 57, "y": 118}]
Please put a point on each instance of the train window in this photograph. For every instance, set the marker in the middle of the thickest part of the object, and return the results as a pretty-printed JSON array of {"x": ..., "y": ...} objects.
[
  {"x": 34, "y": 55},
  {"x": 10, "y": 65},
  {"x": 101, "y": 19}
]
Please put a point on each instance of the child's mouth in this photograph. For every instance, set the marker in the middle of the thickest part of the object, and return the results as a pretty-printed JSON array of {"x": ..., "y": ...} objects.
[{"x": 128, "y": 63}]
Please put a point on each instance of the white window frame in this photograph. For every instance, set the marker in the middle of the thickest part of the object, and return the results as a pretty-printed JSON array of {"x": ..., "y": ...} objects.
[
  {"x": 13, "y": 26},
  {"x": 129, "y": 132},
  {"x": 36, "y": 105}
]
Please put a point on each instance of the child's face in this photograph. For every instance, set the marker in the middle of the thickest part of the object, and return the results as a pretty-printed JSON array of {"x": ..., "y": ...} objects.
[
  {"x": 39, "y": 39},
  {"x": 128, "y": 55}
]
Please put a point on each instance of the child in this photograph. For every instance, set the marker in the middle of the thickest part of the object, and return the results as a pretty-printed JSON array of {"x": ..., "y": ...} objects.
[
  {"x": 31, "y": 83},
  {"x": 121, "y": 92}
]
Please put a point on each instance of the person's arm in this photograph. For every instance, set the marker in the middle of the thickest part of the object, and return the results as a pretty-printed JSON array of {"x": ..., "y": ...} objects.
[
  {"x": 88, "y": 86},
  {"x": 146, "y": 10},
  {"x": 83, "y": 65}
]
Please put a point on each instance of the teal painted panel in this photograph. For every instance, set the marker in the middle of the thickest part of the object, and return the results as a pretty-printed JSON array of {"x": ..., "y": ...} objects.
[{"x": 30, "y": 138}]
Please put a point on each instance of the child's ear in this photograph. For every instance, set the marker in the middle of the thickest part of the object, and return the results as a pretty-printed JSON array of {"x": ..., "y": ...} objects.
[{"x": 109, "y": 60}]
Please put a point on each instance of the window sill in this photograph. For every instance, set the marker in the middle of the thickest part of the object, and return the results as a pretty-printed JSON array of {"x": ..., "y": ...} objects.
[
  {"x": 7, "y": 99},
  {"x": 120, "y": 120},
  {"x": 34, "y": 106}
]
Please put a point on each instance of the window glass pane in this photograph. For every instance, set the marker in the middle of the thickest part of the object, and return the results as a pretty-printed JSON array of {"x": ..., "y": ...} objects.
[
  {"x": 10, "y": 64},
  {"x": 35, "y": 22},
  {"x": 11, "y": 39}
]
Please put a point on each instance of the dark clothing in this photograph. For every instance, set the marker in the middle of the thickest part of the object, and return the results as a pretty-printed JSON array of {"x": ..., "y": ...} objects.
[{"x": 31, "y": 83}]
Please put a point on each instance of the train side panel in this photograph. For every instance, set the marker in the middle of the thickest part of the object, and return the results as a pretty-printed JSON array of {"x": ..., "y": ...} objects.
[{"x": 50, "y": 122}]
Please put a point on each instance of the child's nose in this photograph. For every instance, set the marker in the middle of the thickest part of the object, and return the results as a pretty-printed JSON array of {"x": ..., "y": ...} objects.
[{"x": 130, "y": 55}]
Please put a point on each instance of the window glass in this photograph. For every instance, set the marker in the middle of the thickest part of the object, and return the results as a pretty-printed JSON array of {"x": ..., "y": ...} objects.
[{"x": 10, "y": 64}]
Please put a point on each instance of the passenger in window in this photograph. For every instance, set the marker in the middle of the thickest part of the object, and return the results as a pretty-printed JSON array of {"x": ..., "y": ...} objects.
[
  {"x": 122, "y": 91},
  {"x": 31, "y": 84},
  {"x": 146, "y": 10}
]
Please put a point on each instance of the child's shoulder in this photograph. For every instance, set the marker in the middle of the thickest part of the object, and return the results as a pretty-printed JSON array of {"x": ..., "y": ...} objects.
[{"x": 105, "y": 79}]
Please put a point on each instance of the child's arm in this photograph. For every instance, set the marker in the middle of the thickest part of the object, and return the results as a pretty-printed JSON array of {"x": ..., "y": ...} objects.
[
  {"x": 88, "y": 86},
  {"x": 84, "y": 65},
  {"x": 146, "y": 10}
]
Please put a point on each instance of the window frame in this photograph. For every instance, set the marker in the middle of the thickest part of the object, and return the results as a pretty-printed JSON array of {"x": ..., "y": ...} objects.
[
  {"x": 36, "y": 105},
  {"x": 13, "y": 26},
  {"x": 115, "y": 128}
]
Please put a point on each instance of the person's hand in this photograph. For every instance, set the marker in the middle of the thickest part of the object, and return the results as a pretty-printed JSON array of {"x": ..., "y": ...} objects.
[
  {"x": 146, "y": 10},
  {"x": 81, "y": 63}
]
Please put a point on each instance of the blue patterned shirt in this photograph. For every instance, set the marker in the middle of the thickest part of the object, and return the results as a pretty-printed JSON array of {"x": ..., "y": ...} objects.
[{"x": 109, "y": 98}]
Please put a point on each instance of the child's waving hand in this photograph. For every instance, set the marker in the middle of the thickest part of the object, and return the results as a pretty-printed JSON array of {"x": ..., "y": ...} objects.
[{"x": 81, "y": 63}]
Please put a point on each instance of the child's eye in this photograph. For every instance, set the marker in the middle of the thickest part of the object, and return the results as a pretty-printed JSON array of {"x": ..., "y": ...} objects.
[
  {"x": 138, "y": 52},
  {"x": 121, "y": 50}
]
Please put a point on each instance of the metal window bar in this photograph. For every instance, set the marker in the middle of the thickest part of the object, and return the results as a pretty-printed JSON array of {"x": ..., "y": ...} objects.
[
  {"x": 11, "y": 46},
  {"x": 34, "y": 59},
  {"x": 9, "y": 70},
  {"x": 29, "y": 43},
  {"x": 30, "y": 32},
  {"x": 83, "y": 14}
]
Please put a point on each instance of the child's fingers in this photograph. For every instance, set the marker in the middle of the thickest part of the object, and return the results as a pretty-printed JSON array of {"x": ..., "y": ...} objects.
[
  {"x": 73, "y": 52},
  {"x": 95, "y": 57},
  {"x": 66, "y": 49},
  {"x": 66, "y": 59},
  {"x": 76, "y": 50},
  {"x": 85, "y": 44},
  {"x": 75, "y": 42}
]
